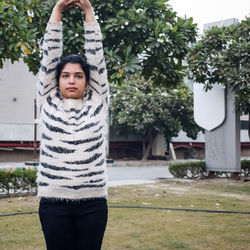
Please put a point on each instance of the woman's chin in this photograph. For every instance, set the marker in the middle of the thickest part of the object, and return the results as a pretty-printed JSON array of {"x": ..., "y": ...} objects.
[{"x": 72, "y": 96}]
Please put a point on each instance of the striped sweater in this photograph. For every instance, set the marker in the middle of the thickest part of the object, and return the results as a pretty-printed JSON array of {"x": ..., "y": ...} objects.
[{"x": 73, "y": 132}]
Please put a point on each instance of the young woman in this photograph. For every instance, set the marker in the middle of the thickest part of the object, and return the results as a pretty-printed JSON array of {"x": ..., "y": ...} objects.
[{"x": 73, "y": 100}]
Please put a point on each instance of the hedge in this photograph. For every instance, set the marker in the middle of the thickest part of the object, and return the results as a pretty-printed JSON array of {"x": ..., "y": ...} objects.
[
  {"x": 245, "y": 167},
  {"x": 23, "y": 181},
  {"x": 190, "y": 169},
  {"x": 18, "y": 181},
  {"x": 197, "y": 169}
]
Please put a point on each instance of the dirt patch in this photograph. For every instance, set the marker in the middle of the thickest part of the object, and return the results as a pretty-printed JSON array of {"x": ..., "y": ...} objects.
[
  {"x": 237, "y": 196},
  {"x": 208, "y": 186},
  {"x": 17, "y": 202}
]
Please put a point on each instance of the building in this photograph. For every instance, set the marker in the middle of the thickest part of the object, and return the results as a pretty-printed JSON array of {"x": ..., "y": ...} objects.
[{"x": 17, "y": 125}]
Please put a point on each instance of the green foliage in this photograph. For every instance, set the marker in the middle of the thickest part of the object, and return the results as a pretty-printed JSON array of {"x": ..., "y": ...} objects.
[
  {"x": 144, "y": 36},
  {"x": 140, "y": 36},
  {"x": 18, "y": 181},
  {"x": 5, "y": 181},
  {"x": 21, "y": 34},
  {"x": 222, "y": 56},
  {"x": 16, "y": 35},
  {"x": 198, "y": 169},
  {"x": 28, "y": 181},
  {"x": 192, "y": 169},
  {"x": 245, "y": 167},
  {"x": 138, "y": 106}
]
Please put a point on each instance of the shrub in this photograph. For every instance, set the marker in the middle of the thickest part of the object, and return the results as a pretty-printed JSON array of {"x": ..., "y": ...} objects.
[
  {"x": 191, "y": 169},
  {"x": 16, "y": 177},
  {"x": 18, "y": 181},
  {"x": 245, "y": 167},
  {"x": 5, "y": 181},
  {"x": 29, "y": 180},
  {"x": 196, "y": 169}
]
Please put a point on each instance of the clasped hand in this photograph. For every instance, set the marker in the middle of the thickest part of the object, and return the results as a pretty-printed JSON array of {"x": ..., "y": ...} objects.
[{"x": 67, "y": 4}]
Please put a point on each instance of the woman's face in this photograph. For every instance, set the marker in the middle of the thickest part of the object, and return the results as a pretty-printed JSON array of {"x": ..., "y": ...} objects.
[{"x": 72, "y": 81}]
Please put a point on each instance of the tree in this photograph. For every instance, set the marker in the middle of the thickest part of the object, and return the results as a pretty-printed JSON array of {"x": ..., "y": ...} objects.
[
  {"x": 140, "y": 36},
  {"x": 145, "y": 37},
  {"x": 16, "y": 36},
  {"x": 222, "y": 56},
  {"x": 139, "y": 107},
  {"x": 22, "y": 27}
]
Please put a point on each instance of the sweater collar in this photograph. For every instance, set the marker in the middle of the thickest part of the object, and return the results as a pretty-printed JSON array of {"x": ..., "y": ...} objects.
[{"x": 72, "y": 103}]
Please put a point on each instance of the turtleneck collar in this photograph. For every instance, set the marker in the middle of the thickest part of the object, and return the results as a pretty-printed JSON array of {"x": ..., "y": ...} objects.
[{"x": 72, "y": 103}]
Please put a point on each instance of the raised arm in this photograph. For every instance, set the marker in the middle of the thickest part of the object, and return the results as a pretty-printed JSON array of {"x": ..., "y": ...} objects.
[
  {"x": 52, "y": 49},
  {"x": 94, "y": 50}
]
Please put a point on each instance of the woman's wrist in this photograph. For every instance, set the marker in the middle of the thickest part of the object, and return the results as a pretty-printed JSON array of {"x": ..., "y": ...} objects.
[
  {"x": 56, "y": 14},
  {"x": 88, "y": 9},
  {"x": 89, "y": 15}
]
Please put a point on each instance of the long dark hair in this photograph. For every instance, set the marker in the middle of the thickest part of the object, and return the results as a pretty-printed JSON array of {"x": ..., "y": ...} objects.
[{"x": 76, "y": 59}]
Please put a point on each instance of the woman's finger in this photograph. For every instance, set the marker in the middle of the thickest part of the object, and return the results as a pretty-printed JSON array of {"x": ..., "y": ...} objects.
[
  {"x": 67, "y": 2},
  {"x": 70, "y": 4},
  {"x": 77, "y": 4},
  {"x": 68, "y": 7}
]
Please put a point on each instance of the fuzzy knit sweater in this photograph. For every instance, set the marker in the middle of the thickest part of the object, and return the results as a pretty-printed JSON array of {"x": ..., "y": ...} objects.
[{"x": 73, "y": 132}]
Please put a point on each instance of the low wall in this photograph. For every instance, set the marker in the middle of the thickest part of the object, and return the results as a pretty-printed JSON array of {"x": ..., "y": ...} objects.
[{"x": 115, "y": 153}]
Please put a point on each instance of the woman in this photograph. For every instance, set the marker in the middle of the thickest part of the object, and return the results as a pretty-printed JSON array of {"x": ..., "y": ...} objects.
[{"x": 73, "y": 100}]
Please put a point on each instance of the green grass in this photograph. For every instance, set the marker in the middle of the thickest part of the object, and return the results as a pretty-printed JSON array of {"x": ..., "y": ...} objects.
[
  {"x": 151, "y": 229},
  {"x": 236, "y": 188}
]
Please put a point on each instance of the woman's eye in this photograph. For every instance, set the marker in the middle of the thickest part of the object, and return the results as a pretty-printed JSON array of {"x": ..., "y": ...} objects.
[
  {"x": 79, "y": 76},
  {"x": 64, "y": 76}
]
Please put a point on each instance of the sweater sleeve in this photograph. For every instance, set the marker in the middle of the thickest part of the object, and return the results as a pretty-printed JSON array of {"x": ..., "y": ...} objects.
[
  {"x": 95, "y": 58},
  {"x": 52, "y": 50}
]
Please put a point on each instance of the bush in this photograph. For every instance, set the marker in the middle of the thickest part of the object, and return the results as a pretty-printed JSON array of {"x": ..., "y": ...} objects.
[
  {"x": 29, "y": 180},
  {"x": 196, "y": 169},
  {"x": 5, "y": 181},
  {"x": 16, "y": 177},
  {"x": 245, "y": 167},
  {"x": 18, "y": 181},
  {"x": 191, "y": 169}
]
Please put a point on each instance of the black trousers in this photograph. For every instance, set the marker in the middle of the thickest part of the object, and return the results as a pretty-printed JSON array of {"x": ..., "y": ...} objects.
[{"x": 73, "y": 225}]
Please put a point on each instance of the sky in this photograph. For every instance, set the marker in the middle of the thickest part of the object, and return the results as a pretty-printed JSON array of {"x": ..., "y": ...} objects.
[{"x": 208, "y": 11}]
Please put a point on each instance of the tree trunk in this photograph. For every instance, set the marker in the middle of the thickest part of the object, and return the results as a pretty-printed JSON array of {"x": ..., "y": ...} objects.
[
  {"x": 144, "y": 143},
  {"x": 249, "y": 125},
  {"x": 151, "y": 139}
]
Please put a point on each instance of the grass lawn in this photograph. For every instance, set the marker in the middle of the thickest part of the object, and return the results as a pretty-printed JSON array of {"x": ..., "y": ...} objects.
[{"x": 130, "y": 228}]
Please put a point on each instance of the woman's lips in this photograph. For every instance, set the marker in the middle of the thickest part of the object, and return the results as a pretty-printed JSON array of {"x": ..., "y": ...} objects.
[{"x": 71, "y": 89}]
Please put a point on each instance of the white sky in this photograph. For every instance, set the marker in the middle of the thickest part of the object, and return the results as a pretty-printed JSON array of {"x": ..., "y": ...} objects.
[{"x": 208, "y": 11}]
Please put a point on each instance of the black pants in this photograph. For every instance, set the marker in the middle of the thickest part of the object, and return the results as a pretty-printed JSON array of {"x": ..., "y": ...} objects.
[{"x": 73, "y": 225}]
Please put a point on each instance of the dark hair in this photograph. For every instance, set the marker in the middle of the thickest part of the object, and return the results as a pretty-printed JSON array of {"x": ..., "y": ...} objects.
[{"x": 75, "y": 59}]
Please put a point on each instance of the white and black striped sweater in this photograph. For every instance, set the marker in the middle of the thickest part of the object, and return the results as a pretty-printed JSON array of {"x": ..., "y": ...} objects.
[{"x": 73, "y": 132}]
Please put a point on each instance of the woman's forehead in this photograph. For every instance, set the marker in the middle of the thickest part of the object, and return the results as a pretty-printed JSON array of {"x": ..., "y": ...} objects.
[{"x": 72, "y": 68}]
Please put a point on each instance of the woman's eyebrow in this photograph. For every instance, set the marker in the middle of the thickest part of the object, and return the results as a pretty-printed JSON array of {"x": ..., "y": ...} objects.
[{"x": 76, "y": 73}]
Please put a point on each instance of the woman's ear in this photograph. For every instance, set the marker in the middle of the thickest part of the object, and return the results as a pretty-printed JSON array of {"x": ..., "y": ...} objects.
[{"x": 87, "y": 87}]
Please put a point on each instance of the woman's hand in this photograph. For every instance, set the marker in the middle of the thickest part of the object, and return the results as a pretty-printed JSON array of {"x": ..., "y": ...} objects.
[
  {"x": 59, "y": 7},
  {"x": 65, "y": 4},
  {"x": 62, "y": 5},
  {"x": 84, "y": 4}
]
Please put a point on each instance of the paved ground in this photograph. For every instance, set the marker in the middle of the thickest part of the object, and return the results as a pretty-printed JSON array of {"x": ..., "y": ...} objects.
[
  {"x": 136, "y": 175},
  {"x": 12, "y": 165},
  {"x": 125, "y": 172}
]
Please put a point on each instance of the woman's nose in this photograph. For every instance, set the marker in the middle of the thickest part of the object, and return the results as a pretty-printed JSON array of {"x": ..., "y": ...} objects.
[{"x": 71, "y": 80}]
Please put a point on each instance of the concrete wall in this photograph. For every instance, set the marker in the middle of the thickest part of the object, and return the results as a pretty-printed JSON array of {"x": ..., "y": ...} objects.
[
  {"x": 16, "y": 155},
  {"x": 18, "y": 89}
]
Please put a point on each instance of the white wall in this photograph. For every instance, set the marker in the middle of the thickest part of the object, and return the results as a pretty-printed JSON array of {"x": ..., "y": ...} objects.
[{"x": 17, "y": 92}]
